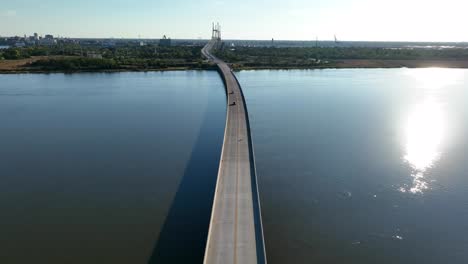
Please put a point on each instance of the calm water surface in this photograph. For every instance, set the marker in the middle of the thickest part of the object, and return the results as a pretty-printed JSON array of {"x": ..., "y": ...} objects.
[
  {"x": 354, "y": 166},
  {"x": 94, "y": 167},
  {"x": 362, "y": 166}
]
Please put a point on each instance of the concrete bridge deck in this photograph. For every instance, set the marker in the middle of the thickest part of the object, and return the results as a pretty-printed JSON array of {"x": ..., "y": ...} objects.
[{"x": 236, "y": 232}]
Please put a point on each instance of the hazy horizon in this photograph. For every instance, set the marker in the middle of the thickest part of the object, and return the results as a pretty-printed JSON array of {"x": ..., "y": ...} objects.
[
  {"x": 231, "y": 39},
  {"x": 359, "y": 20}
]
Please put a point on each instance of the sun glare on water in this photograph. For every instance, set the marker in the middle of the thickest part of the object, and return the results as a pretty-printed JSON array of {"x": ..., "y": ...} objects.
[
  {"x": 426, "y": 125},
  {"x": 425, "y": 130}
]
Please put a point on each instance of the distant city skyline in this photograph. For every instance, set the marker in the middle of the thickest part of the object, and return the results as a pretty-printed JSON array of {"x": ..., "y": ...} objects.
[{"x": 365, "y": 20}]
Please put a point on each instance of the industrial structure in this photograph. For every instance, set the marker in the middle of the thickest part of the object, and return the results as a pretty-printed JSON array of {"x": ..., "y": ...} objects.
[{"x": 165, "y": 42}]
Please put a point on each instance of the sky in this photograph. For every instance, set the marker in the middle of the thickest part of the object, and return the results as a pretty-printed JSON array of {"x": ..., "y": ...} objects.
[{"x": 349, "y": 20}]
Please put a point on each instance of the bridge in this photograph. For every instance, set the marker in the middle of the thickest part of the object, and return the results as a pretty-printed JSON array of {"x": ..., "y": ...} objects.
[{"x": 235, "y": 235}]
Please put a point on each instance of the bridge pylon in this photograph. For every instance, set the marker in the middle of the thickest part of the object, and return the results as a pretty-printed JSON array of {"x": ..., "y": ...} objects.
[{"x": 216, "y": 33}]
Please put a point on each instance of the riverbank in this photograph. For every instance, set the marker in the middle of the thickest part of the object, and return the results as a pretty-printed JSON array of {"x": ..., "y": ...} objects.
[
  {"x": 364, "y": 64},
  {"x": 341, "y": 57},
  {"x": 130, "y": 57},
  {"x": 82, "y": 58},
  {"x": 68, "y": 64},
  {"x": 24, "y": 66}
]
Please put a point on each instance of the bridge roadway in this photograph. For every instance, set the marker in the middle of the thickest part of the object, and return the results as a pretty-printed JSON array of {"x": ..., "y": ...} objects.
[{"x": 236, "y": 233}]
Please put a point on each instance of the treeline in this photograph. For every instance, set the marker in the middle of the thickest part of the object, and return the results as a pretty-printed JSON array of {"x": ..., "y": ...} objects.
[
  {"x": 26, "y": 52},
  {"x": 73, "y": 57},
  {"x": 186, "y": 53},
  {"x": 73, "y": 64},
  {"x": 264, "y": 56},
  {"x": 95, "y": 64}
]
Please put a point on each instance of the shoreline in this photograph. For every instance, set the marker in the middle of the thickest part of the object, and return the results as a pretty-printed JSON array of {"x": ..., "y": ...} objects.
[
  {"x": 15, "y": 67},
  {"x": 29, "y": 71},
  {"x": 23, "y": 66},
  {"x": 367, "y": 64}
]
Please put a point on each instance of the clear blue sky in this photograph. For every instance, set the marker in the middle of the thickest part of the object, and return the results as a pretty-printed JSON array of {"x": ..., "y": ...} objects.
[{"x": 411, "y": 20}]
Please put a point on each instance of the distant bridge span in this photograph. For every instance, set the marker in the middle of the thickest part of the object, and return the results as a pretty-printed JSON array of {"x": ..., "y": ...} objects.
[{"x": 236, "y": 232}]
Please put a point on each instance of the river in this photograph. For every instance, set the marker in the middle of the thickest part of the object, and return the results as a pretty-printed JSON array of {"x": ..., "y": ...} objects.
[
  {"x": 354, "y": 166},
  {"x": 97, "y": 168},
  {"x": 361, "y": 166}
]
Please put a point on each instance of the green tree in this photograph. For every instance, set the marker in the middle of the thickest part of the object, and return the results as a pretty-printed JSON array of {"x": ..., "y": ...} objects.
[{"x": 12, "y": 54}]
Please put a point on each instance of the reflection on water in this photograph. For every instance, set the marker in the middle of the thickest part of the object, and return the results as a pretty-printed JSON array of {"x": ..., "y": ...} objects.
[
  {"x": 424, "y": 134},
  {"x": 435, "y": 78},
  {"x": 426, "y": 125}
]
